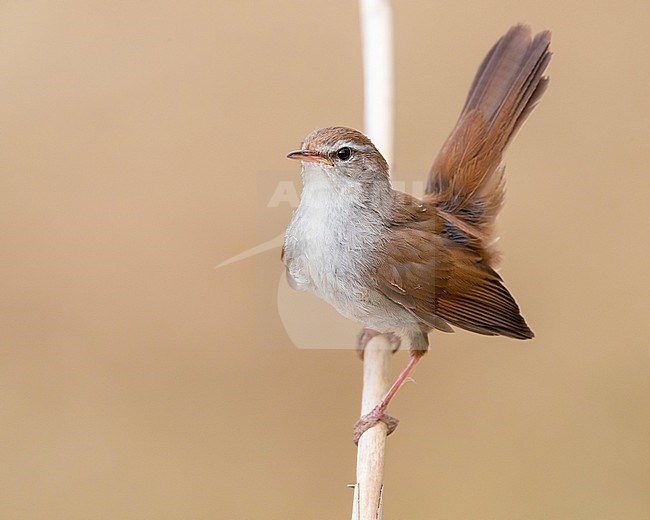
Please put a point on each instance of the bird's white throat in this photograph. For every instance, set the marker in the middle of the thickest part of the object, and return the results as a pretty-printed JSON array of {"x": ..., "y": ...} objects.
[{"x": 329, "y": 238}]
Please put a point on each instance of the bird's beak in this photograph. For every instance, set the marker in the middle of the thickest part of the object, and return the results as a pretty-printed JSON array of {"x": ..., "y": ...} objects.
[{"x": 309, "y": 156}]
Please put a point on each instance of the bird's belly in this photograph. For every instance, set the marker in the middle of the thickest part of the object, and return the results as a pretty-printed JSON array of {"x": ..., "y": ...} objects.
[
  {"x": 330, "y": 277},
  {"x": 337, "y": 278}
]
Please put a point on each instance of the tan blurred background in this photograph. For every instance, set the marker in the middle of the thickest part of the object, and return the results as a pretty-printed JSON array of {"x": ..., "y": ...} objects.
[{"x": 139, "y": 142}]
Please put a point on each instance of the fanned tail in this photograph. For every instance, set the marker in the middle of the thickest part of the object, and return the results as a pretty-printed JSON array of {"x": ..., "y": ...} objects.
[{"x": 466, "y": 180}]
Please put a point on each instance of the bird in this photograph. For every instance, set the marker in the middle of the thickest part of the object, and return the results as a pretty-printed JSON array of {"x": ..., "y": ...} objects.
[{"x": 404, "y": 266}]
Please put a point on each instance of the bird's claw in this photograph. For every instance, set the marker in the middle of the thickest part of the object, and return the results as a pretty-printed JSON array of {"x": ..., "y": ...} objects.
[{"x": 369, "y": 420}]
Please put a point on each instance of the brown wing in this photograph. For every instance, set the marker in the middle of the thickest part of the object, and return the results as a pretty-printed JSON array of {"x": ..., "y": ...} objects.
[
  {"x": 437, "y": 263},
  {"x": 434, "y": 269}
]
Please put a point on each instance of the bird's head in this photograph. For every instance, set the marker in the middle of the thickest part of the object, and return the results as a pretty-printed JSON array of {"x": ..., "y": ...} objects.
[{"x": 343, "y": 154}]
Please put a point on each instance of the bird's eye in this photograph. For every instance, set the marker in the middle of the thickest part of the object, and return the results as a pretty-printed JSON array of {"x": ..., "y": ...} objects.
[{"x": 344, "y": 153}]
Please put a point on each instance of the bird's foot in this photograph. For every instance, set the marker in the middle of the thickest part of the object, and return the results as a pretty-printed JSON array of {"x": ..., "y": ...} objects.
[
  {"x": 369, "y": 420},
  {"x": 366, "y": 334}
]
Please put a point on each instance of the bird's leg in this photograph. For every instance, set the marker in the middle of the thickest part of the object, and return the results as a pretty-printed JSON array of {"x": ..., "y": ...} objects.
[
  {"x": 378, "y": 414},
  {"x": 366, "y": 334}
]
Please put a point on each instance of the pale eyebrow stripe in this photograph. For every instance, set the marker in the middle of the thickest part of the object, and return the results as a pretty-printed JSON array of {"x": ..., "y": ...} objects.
[{"x": 354, "y": 146}]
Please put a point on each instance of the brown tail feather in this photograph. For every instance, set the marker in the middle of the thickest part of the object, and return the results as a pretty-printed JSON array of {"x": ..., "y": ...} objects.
[{"x": 466, "y": 179}]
